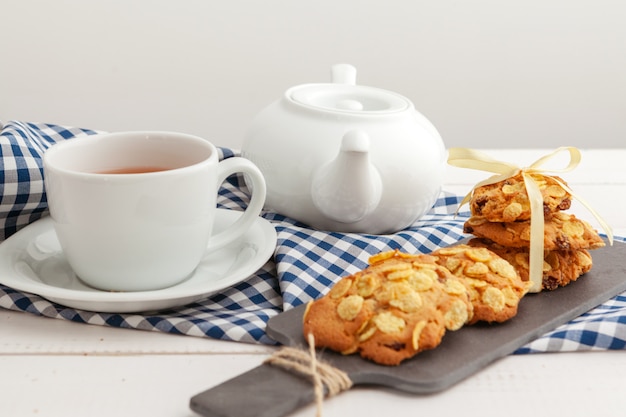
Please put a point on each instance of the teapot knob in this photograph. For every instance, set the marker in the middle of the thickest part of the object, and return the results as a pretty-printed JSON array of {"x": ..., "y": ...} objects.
[
  {"x": 343, "y": 74},
  {"x": 349, "y": 104}
]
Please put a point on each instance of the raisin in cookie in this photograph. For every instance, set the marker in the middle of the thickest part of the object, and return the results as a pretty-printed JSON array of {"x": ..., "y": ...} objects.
[
  {"x": 561, "y": 232},
  {"x": 560, "y": 267},
  {"x": 397, "y": 307},
  {"x": 495, "y": 286},
  {"x": 507, "y": 200}
]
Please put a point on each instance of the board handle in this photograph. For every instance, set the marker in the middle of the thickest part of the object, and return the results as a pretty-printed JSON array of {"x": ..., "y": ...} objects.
[{"x": 265, "y": 391}]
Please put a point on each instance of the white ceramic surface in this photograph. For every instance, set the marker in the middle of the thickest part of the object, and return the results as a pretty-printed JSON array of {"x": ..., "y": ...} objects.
[
  {"x": 32, "y": 261},
  {"x": 140, "y": 231},
  {"x": 346, "y": 157}
]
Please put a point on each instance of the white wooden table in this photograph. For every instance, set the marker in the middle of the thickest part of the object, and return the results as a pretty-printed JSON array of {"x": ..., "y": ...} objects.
[{"x": 52, "y": 367}]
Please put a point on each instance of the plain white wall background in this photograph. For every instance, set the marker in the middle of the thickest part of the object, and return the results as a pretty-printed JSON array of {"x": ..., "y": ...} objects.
[{"x": 487, "y": 73}]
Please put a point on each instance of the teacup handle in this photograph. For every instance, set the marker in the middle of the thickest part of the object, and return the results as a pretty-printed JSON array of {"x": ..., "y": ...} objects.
[{"x": 226, "y": 168}]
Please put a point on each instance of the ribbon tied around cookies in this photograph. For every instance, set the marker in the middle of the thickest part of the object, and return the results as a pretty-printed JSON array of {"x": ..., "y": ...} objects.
[{"x": 472, "y": 159}]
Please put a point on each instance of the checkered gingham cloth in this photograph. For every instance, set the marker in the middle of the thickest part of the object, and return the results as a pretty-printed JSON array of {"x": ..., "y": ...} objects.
[{"x": 305, "y": 264}]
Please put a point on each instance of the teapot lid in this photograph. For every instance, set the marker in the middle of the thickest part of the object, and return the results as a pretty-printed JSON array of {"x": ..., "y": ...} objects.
[{"x": 344, "y": 96}]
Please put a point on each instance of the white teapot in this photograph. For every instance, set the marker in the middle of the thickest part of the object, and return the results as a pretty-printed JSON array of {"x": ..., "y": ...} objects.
[{"x": 345, "y": 157}]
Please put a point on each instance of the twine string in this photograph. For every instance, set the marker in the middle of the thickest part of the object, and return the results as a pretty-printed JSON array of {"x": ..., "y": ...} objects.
[{"x": 324, "y": 376}]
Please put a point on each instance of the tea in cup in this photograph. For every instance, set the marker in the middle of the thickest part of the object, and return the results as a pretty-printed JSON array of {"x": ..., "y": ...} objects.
[{"x": 134, "y": 211}]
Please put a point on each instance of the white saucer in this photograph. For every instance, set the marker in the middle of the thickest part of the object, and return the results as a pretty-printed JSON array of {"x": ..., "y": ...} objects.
[{"x": 31, "y": 260}]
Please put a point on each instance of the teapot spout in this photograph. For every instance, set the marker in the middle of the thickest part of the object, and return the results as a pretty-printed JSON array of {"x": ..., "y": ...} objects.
[{"x": 349, "y": 187}]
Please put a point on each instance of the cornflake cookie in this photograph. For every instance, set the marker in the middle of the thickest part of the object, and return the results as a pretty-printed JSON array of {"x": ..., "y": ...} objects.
[
  {"x": 561, "y": 232},
  {"x": 560, "y": 267},
  {"x": 507, "y": 200},
  {"x": 494, "y": 285},
  {"x": 397, "y": 307}
]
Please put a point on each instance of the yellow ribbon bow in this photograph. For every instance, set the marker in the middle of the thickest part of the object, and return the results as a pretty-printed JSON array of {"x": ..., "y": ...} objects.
[{"x": 469, "y": 158}]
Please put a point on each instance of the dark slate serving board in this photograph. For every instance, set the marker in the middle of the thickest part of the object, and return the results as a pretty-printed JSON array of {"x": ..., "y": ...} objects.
[{"x": 268, "y": 391}]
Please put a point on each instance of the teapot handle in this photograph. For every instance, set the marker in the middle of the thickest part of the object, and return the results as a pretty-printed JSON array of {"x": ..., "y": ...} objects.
[{"x": 343, "y": 74}]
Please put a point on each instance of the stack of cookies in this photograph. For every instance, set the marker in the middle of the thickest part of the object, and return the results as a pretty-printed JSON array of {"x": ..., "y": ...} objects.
[{"x": 500, "y": 222}]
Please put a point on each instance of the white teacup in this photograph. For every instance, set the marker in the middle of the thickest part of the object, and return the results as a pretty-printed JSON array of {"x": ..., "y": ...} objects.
[{"x": 134, "y": 211}]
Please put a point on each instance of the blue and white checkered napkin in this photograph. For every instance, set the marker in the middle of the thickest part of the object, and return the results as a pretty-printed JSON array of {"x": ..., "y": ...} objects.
[{"x": 306, "y": 262}]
